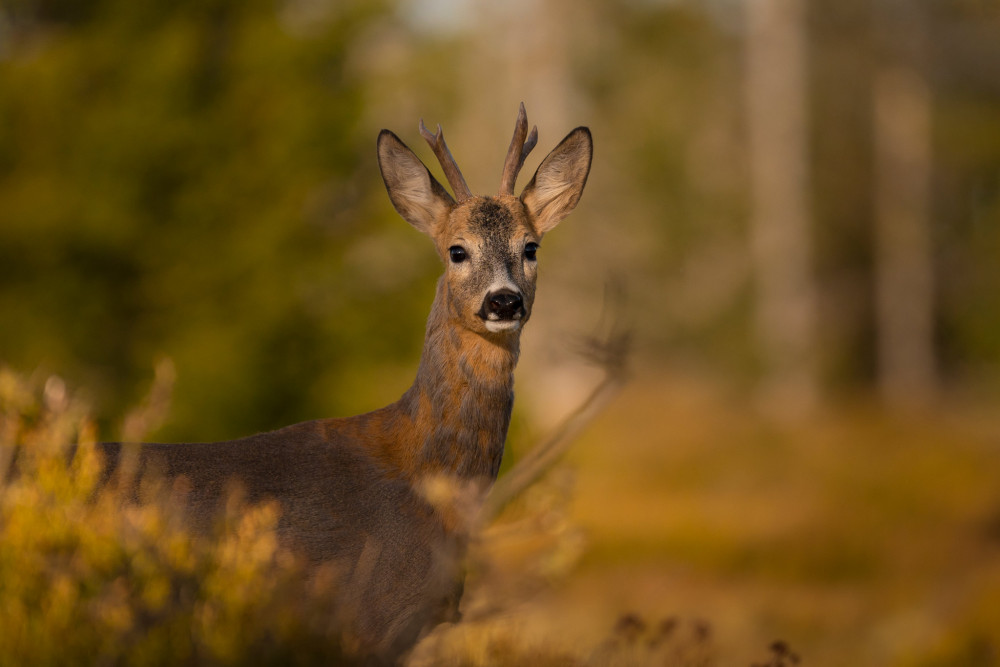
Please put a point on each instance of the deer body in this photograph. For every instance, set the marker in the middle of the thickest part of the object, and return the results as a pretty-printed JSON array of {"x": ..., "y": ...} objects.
[{"x": 351, "y": 490}]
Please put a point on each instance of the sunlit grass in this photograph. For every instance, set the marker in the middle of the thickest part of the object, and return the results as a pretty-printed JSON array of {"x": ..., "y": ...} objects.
[
  {"x": 86, "y": 580},
  {"x": 685, "y": 530},
  {"x": 861, "y": 536}
]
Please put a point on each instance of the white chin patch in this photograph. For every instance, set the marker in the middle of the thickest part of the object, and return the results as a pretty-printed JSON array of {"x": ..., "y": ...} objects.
[{"x": 497, "y": 326}]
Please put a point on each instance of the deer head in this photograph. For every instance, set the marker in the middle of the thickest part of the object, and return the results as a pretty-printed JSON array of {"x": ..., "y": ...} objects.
[{"x": 487, "y": 243}]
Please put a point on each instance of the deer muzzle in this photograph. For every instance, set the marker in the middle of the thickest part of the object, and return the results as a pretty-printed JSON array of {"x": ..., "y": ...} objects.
[{"x": 503, "y": 310}]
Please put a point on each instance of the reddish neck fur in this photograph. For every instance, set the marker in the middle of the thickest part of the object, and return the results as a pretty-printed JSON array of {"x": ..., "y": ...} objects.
[{"x": 454, "y": 418}]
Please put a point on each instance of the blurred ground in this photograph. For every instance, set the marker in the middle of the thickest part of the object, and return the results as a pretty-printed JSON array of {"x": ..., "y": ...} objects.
[{"x": 856, "y": 536}]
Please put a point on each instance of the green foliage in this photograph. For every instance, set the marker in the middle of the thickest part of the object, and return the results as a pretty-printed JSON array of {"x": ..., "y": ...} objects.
[
  {"x": 197, "y": 180},
  {"x": 182, "y": 179}
]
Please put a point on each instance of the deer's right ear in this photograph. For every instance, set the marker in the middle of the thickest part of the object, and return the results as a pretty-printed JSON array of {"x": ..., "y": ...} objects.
[{"x": 415, "y": 194}]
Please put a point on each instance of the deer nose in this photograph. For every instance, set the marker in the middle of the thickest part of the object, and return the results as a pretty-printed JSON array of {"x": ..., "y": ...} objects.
[{"x": 505, "y": 304}]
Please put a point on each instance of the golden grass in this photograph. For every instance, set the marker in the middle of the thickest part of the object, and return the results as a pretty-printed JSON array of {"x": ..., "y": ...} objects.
[
  {"x": 858, "y": 536},
  {"x": 685, "y": 529}
]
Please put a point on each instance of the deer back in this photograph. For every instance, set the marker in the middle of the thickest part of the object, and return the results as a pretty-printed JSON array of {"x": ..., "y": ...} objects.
[{"x": 354, "y": 492}]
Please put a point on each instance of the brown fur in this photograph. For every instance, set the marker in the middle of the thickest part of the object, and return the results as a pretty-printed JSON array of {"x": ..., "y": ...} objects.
[{"x": 352, "y": 491}]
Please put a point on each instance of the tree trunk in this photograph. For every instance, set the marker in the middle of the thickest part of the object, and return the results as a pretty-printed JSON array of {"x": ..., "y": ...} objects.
[
  {"x": 781, "y": 243},
  {"x": 904, "y": 291}
]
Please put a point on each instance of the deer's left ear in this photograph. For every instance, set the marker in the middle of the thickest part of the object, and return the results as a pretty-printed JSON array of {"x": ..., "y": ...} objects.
[{"x": 557, "y": 185}]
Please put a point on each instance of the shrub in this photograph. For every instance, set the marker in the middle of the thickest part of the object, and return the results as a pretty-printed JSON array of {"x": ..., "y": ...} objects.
[{"x": 85, "y": 579}]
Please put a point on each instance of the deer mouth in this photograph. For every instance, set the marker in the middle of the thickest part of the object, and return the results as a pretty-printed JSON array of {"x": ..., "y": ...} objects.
[{"x": 502, "y": 326}]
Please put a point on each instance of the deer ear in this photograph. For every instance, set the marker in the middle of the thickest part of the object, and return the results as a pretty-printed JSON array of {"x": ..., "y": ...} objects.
[
  {"x": 414, "y": 193},
  {"x": 557, "y": 185}
]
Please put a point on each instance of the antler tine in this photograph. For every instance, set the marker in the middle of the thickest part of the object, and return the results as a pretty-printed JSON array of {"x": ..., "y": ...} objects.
[
  {"x": 451, "y": 170},
  {"x": 528, "y": 145},
  {"x": 519, "y": 148}
]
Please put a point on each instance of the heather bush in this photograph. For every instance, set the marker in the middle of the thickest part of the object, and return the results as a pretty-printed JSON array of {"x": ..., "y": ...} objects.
[{"x": 85, "y": 579}]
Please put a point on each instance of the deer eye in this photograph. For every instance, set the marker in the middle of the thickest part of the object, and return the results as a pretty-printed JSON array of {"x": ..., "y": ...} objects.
[
  {"x": 529, "y": 251},
  {"x": 458, "y": 254}
]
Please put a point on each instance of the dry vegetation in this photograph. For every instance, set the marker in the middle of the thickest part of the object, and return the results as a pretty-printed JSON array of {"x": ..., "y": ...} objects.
[
  {"x": 857, "y": 536},
  {"x": 686, "y": 530},
  {"x": 85, "y": 582}
]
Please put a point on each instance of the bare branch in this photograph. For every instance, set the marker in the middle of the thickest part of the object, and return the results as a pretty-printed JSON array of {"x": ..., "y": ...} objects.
[{"x": 610, "y": 352}]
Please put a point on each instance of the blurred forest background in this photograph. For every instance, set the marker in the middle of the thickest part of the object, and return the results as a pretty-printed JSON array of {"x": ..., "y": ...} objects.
[{"x": 800, "y": 198}]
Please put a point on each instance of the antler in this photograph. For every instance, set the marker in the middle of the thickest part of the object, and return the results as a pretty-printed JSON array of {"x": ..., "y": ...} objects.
[
  {"x": 518, "y": 151},
  {"x": 451, "y": 171}
]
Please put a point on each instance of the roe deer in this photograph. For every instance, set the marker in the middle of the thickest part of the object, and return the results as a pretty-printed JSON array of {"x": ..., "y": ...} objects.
[{"x": 351, "y": 490}]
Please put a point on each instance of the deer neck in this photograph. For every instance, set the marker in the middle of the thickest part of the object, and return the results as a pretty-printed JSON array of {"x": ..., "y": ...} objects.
[{"x": 461, "y": 400}]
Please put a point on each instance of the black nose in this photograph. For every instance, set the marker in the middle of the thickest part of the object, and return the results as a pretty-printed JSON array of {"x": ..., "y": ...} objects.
[{"x": 505, "y": 304}]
